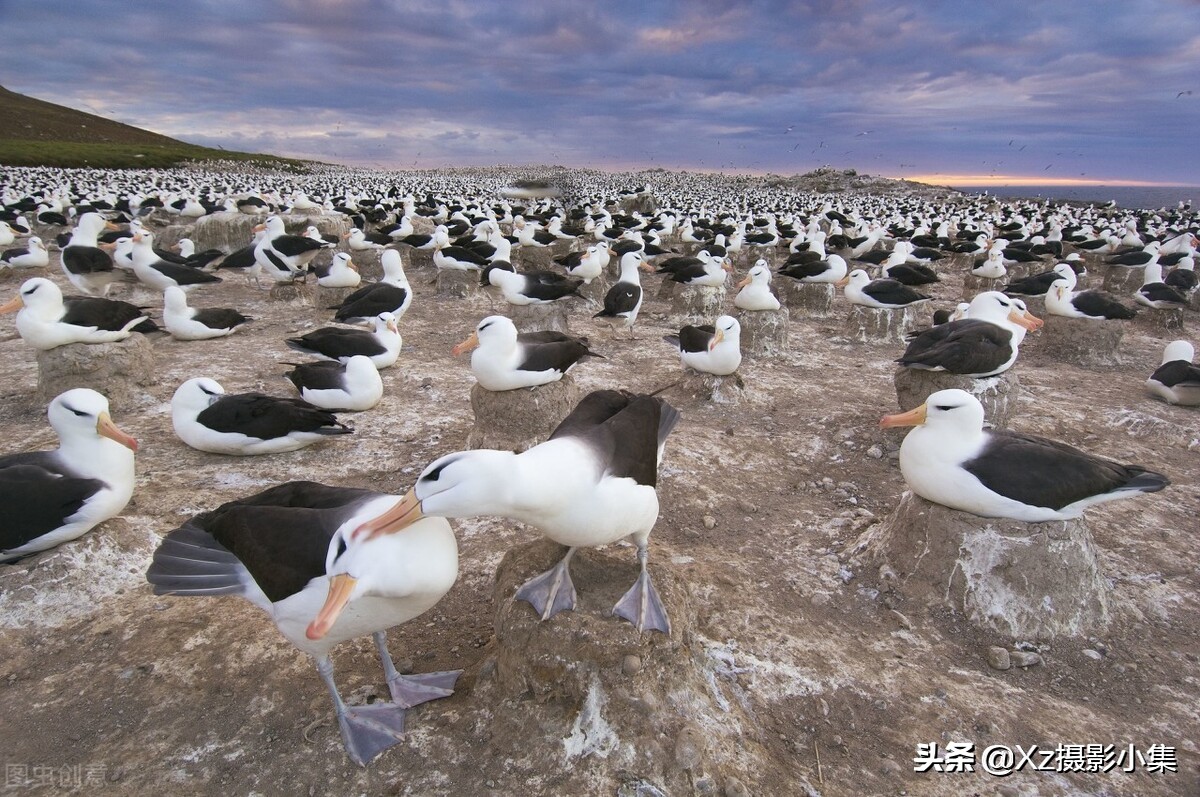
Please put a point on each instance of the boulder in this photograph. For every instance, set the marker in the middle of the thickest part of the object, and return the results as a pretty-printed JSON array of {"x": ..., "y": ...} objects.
[
  {"x": 998, "y": 394},
  {"x": 880, "y": 325},
  {"x": 550, "y": 317},
  {"x": 764, "y": 332},
  {"x": 1080, "y": 341},
  {"x": 456, "y": 284},
  {"x": 697, "y": 304},
  {"x": 514, "y": 420},
  {"x": 805, "y": 299},
  {"x": 1025, "y": 580},
  {"x": 669, "y": 708},
  {"x": 121, "y": 371}
]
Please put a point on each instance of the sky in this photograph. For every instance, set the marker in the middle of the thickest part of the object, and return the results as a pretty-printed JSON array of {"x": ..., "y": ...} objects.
[{"x": 959, "y": 93}]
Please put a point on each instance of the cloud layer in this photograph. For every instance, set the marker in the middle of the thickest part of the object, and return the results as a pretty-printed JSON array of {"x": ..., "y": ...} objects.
[{"x": 1061, "y": 91}]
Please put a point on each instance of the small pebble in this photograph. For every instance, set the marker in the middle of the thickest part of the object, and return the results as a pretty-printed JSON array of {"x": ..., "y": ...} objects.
[
  {"x": 819, "y": 599},
  {"x": 1093, "y": 654},
  {"x": 998, "y": 658},
  {"x": 1008, "y": 791},
  {"x": 705, "y": 785},
  {"x": 688, "y": 748},
  {"x": 710, "y": 522},
  {"x": 631, "y": 664},
  {"x": 735, "y": 788},
  {"x": 1021, "y": 658},
  {"x": 875, "y": 452},
  {"x": 890, "y": 767},
  {"x": 902, "y": 620}
]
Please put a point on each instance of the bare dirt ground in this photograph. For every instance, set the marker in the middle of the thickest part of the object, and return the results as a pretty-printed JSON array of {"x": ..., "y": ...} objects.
[{"x": 808, "y": 680}]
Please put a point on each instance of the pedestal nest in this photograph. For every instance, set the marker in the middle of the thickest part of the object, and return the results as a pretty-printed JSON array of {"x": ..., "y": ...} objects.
[
  {"x": 120, "y": 371},
  {"x": 550, "y": 317},
  {"x": 764, "y": 332},
  {"x": 973, "y": 285},
  {"x": 880, "y": 325},
  {"x": 514, "y": 420},
  {"x": 293, "y": 293},
  {"x": 666, "y": 710},
  {"x": 1025, "y": 580},
  {"x": 700, "y": 387},
  {"x": 229, "y": 231},
  {"x": 1080, "y": 341},
  {"x": 805, "y": 299},
  {"x": 1122, "y": 280},
  {"x": 697, "y": 304},
  {"x": 595, "y": 291},
  {"x": 1156, "y": 322},
  {"x": 998, "y": 394},
  {"x": 331, "y": 297},
  {"x": 456, "y": 284}
]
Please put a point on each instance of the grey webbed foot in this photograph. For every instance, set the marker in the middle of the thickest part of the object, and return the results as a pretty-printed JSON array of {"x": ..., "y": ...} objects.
[
  {"x": 551, "y": 592},
  {"x": 369, "y": 730},
  {"x": 642, "y": 606},
  {"x": 413, "y": 690}
]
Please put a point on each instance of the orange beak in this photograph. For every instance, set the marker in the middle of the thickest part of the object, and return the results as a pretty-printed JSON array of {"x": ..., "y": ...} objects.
[
  {"x": 725, "y": 264},
  {"x": 717, "y": 338},
  {"x": 106, "y": 428},
  {"x": 108, "y": 225},
  {"x": 914, "y": 417},
  {"x": 350, "y": 265},
  {"x": 392, "y": 326},
  {"x": 843, "y": 282},
  {"x": 744, "y": 283},
  {"x": 406, "y": 512},
  {"x": 1026, "y": 319},
  {"x": 258, "y": 228},
  {"x": 12, "y": 305},
  {"x": 471, "y": 342},
  {"x": 341, "y": 587}
]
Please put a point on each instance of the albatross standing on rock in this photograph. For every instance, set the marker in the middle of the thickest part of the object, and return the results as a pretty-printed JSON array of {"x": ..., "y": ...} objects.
[
  {"x": 592, "y": 483},
  {"x": 288, "y": 551}
]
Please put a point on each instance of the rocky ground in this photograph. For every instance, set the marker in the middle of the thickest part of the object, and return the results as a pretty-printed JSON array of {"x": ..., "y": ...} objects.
[{"x": 788, "y": 671}]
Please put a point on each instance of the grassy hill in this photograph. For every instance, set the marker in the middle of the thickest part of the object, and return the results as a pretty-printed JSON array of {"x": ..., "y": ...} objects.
[{"x": 34, "y": 132}]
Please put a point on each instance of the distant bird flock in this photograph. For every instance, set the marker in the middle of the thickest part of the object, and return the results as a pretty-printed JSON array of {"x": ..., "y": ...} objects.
[{"x": 357, "y": 562}]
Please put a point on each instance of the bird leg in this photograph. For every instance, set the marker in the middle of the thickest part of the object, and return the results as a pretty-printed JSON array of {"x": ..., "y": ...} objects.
[
  {"x": 641, "y": 604},
  {"x": 366, "y": 730},
  {"x": 413, "y": 690},
  {"x": 551, "y": 592}
]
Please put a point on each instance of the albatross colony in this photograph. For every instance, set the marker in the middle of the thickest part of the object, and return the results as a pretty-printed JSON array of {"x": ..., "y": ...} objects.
[{"x": 760, "y": 506}]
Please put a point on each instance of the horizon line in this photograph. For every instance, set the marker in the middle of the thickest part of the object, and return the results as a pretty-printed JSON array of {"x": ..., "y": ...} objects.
[{"x": 978, "y": 180}]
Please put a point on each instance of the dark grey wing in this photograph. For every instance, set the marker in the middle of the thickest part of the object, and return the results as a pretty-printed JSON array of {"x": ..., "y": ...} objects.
[
  {"x": 267, "y": 417},
  {"x": 37, "y": 500},
  {"x": 1041, "y": 472},
  {"x": 968, "y": 346}
]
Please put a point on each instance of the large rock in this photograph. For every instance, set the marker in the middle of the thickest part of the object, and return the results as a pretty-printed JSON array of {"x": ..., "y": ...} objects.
[
  {"x": 973, "y": 285},
  {"x": 805, "y": 299},
  {"x": 1080, "y": 341},
  {"x": 550, "y": 317},
  {"x": 228, "y": 230},
  {"x": 456, "y": 284},
  {"x": 1123, "y": 280},
  {"x": 1153, "y": 321},
  {"x": 665, "y": 709},
  {"x": 700, "y": 387},
  {"x": 764, "y": 332},
  {"x": 880, "y": 325},
  {"x": 998, "y": 394},
  {"x": 1025, "y": 580},
  {"x": 514, "y": 420},
  {"x": 697, "y": 304},
  {"x": 120, "y": 371}
]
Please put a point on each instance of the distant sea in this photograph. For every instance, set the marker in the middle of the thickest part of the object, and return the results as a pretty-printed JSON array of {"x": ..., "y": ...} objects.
[{"x": 1140, "y": 197}]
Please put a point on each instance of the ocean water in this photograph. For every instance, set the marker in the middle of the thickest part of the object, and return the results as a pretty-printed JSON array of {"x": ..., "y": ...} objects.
[{"x": 1141, "y": 197}]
